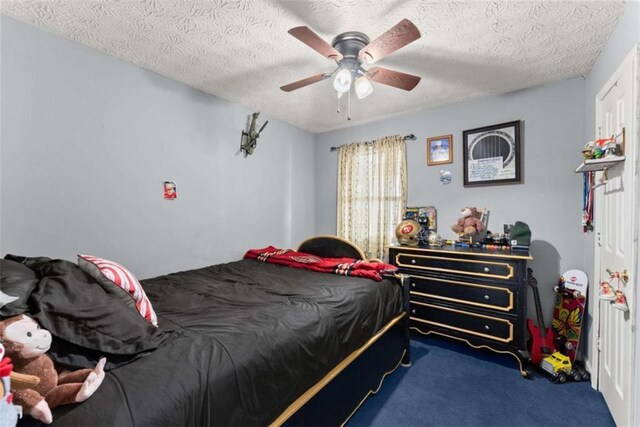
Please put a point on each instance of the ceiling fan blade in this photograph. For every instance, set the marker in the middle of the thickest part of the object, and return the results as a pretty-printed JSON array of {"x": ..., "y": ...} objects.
[
  {"x": 393, "y": 78},
  {"x": 304, "y": 82},
  {"x": 400, "y": 35},
  {"x": 311, "y": 39}
]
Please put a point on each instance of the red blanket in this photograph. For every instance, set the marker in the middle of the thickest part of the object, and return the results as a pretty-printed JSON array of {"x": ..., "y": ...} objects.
[{"x": 343, "y": 266}]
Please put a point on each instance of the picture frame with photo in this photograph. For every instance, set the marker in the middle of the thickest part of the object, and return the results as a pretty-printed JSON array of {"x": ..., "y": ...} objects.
[
  {"x": 425, "y": 215},
  {"x": 439, "y": 150},
  {"x": 170, "y": 190},
  {"x": 492, "y": 155},
  {"x": 428, "y": 216}
]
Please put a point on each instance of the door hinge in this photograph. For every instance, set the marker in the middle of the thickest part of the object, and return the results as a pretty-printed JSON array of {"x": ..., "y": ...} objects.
[{"x": 598, "y": 344}]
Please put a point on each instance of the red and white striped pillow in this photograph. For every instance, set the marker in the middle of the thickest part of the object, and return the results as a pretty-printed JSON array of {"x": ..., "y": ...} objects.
[{"x": 109, "y": 273}]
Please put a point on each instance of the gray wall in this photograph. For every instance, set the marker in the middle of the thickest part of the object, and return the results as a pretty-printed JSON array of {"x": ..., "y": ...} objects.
[
  {"x": 87, "y": 140},
  {"x": 549, "y": 200}
]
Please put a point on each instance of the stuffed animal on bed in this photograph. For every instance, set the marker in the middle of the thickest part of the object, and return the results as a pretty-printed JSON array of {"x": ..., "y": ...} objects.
[{"x": 26, "y": 344}]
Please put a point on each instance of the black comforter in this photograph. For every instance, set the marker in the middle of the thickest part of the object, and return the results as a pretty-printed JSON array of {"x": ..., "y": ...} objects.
[{"x": 247, "y": 339}]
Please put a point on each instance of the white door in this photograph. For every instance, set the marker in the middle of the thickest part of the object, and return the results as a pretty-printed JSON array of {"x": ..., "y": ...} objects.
[{"x": 616, "y": 222}]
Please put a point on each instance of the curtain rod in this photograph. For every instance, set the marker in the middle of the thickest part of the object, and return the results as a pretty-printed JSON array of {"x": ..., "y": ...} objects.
[{"x": 411, "y": 137}]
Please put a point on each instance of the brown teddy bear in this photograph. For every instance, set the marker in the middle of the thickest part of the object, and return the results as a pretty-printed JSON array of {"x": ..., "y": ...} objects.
[
  {"x": 468, "y": 223},
  {"x": 25, "y": 343}
]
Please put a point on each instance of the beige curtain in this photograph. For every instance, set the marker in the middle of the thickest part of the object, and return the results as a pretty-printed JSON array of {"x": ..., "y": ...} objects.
[{"x": 372, "y": 192}]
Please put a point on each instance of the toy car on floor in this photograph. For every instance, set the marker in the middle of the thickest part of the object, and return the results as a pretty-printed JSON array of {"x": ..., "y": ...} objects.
[{"x": 558, "y": 366}]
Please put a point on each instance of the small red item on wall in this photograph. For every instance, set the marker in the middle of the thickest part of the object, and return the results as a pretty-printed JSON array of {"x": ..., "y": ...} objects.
[{"x": 170, "y": 190}]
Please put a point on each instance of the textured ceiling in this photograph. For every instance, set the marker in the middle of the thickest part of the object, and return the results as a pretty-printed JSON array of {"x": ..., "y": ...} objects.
[{"x": 239, "y": 50}]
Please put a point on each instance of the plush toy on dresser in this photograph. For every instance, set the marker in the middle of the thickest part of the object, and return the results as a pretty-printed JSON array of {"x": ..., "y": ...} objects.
[
  {"x": 468, "y": 223},
  {"x": 25, "y": 344}
]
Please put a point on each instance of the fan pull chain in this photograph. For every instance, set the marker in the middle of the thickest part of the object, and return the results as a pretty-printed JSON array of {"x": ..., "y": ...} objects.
[
  {"x": 338, "y": 103},
  {"x": 349, "y": 104}
]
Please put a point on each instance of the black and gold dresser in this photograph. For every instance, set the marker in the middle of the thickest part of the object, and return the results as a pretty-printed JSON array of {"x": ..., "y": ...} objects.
[{"x": 474, "y": 295}]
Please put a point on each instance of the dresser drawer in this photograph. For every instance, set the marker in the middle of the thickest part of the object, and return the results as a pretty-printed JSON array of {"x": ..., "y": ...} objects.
[
  {"x": 489, "y": 327},
  {"x": 490, "y": 297},
  {"x": 441, "y": 263}
]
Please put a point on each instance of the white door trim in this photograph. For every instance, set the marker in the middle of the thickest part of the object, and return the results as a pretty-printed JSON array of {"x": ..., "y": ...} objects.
[
  {"x": 593, "y": 361},
  {"x": 635, "y": 389}
]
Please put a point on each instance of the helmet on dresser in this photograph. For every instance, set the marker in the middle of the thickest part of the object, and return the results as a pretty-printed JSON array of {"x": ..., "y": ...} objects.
[{"x": 408, "y": 232}]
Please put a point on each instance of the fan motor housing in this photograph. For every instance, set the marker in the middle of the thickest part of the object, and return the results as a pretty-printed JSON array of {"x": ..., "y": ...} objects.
[{"x": 350, "y": 43}]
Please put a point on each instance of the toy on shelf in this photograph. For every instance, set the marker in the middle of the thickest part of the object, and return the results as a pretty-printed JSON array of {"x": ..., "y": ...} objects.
[
  {"x": 599, "y": 155},
  {"x": 603, "y": 153},
  {"x": 616, "y": 297}
]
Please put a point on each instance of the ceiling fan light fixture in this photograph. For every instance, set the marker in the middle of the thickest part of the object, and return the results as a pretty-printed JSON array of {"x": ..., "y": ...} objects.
[
  {"x": 342, "y": 81},
  {"x": 367, "y": 58},
  {"x": 350, "y": 50},
  {"x": 363, "y": 87}
]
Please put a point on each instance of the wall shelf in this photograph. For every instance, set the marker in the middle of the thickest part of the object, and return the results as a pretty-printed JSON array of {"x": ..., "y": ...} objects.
[{"x": 599, "y": 164}]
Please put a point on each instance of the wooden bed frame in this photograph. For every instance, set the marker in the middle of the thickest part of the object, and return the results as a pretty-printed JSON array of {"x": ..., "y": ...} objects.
[{"x": 339, "y": 394}]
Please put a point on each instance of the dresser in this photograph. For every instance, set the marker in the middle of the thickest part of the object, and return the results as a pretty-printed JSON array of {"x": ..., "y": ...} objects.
[{"x": 474, "y": 295}]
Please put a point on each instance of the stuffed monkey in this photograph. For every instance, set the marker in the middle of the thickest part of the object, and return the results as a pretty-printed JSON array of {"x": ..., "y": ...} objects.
[{"x": 25, "y": 344}]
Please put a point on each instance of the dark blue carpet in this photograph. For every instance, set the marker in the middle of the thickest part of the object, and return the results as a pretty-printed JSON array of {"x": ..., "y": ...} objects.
[{"x": 451, "y": 384}]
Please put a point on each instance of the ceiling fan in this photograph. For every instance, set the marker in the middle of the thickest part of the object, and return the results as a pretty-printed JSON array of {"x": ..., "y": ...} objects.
[{"x": 352, "y": 50}]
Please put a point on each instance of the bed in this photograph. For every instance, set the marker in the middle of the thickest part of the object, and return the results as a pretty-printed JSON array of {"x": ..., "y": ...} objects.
[{"x": 241, "y": 343}]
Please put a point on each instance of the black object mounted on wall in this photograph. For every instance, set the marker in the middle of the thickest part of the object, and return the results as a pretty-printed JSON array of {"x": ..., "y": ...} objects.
[{"x": 249, "y": 139}]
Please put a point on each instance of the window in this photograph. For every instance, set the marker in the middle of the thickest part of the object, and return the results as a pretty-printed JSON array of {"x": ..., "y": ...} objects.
[{"x": 372, "y": 192}]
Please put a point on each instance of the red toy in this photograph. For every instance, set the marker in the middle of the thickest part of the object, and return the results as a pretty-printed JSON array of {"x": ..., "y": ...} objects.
[{"x": 542, "y": 342}]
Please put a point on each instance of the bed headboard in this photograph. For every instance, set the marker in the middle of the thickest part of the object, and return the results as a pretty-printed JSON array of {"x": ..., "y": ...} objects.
[{"x": 331, "y": 247}]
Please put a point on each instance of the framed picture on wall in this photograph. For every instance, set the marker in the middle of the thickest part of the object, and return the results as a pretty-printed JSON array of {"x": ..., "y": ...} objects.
[
  {"x": 439, "y": 150},
  {"x": 491, "y": 155},
  {"x": 170, "y": 190}
]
